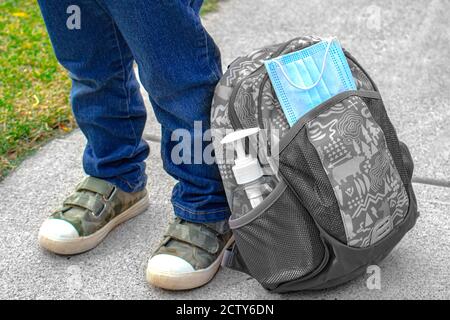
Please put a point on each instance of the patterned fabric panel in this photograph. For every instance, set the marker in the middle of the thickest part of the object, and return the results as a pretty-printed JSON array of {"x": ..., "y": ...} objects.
[{"x": 353, "y": 151}]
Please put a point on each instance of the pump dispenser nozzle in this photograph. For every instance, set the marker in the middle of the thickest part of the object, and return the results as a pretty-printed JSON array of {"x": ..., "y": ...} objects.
[
  {"x": 248, "y": 174},
  {"x": 246, "y": 168}
]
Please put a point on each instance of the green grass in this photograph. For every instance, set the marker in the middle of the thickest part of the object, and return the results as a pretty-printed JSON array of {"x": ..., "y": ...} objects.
[
  {"x": 34, "y": 88},
  {"x": 209, "y": 6}
]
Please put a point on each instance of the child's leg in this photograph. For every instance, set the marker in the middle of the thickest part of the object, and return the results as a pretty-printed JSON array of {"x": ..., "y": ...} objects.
[
  {"x": 179, "y": 65},
  {"x": 105, "y": 95}
]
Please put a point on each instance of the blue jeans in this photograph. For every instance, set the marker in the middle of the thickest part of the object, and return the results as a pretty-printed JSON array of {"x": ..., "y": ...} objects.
[{"x": 179, "y": 65}]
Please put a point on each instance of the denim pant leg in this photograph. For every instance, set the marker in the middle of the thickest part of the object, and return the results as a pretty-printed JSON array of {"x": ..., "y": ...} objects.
[
  {"x": 179, "y": 65},
  {"x": 105, "y": 94}
]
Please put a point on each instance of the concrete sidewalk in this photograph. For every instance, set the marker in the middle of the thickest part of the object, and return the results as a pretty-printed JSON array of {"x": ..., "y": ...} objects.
[{"x": 404, "y": 46}]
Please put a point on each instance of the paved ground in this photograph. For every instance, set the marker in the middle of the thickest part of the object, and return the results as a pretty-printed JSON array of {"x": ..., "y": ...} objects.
[{"x": 404, "y": 45}]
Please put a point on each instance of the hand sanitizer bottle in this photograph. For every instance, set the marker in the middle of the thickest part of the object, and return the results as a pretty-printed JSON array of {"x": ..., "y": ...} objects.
[{"x": 248, "y": 174}]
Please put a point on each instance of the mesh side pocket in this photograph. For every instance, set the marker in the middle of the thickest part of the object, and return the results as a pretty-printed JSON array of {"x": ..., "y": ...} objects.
[
  {"x": 300, "y": 165},
  {"x": 282, "y": 243},
  {"x": 407, "y": 160}
]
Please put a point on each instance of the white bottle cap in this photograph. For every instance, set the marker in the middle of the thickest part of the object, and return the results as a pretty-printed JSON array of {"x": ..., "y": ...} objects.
[{"x": 246, "y": 168}]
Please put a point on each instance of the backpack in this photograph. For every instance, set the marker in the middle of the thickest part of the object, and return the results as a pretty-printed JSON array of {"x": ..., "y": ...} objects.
[{"x": 344, "y": 197}]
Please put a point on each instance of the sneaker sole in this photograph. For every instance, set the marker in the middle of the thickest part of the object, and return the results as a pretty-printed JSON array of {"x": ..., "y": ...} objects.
[
  {"x": 186, "y": 280},
  {"x": 83, "y": 244}
]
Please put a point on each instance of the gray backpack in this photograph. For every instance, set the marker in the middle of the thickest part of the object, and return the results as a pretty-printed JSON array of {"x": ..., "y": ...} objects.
[{"x": 344, "y": 197}]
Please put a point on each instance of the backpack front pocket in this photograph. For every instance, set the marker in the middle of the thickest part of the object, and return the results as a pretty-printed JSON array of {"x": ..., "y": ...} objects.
[
  {"x": 278, "y": 241},
  {"x": 338, "y": 163}
]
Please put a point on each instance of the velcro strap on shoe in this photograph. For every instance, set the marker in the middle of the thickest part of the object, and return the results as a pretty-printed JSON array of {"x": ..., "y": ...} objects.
[
  {"x": 85, "y": 201},
  {"x": 202, "y": 239},
  {"x": 96, "y": 185}
]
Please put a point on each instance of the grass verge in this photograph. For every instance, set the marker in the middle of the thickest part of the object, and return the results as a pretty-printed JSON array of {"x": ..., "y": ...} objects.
[
  {"x": 209, "y": 6},
  {"x": 34, "y": 88}
]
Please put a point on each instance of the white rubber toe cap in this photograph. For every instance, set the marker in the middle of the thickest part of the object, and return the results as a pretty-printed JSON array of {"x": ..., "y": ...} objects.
[
  {"x": 57, "y": 229},
  {"x": 168, "y": 264}
]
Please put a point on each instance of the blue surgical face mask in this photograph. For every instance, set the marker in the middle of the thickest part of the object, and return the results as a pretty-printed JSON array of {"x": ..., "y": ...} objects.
[{"x": 304, "y": 79}]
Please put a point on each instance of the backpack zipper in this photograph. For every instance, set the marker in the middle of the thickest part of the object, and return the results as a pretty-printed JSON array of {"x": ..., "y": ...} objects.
[{"x": 259, "y": 101}]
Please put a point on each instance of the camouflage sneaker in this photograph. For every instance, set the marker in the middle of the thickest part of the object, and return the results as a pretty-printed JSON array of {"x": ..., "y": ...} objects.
[
  {"x": 189, "y": 255},
  {"x": 88, "y": 215}
]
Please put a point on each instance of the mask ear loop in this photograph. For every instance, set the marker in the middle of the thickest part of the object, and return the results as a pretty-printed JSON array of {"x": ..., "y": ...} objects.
[{"x": 330, "y": 41}]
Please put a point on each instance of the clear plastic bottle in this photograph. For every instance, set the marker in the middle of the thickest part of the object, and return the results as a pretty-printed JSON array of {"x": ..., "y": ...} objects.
[
  {"x": 254, "y": 193},
  {"x": 253, "y": 185}
]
